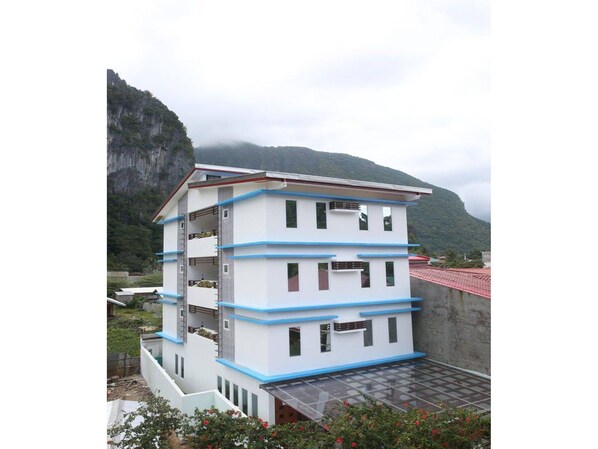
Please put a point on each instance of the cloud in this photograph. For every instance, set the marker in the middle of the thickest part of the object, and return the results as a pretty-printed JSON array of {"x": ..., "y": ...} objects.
[{"x": 405, "y": 84}]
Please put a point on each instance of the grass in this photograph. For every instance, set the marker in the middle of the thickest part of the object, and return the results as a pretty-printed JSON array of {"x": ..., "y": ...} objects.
[{"x": 123, "y": 333}]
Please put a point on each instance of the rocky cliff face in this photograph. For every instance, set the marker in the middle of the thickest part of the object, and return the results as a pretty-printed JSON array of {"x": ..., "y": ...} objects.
[{"x": 148, "y": 146}]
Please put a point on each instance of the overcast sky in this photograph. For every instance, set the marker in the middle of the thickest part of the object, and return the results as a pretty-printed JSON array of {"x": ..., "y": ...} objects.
[{"x": 405, "y": 84}]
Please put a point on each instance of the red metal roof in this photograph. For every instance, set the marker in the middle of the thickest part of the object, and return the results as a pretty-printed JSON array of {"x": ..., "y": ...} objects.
[{"x": 471, "y": 280}]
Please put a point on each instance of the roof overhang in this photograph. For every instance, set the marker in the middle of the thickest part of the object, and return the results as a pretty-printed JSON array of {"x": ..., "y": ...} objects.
[{"x": 244, "y": 175}]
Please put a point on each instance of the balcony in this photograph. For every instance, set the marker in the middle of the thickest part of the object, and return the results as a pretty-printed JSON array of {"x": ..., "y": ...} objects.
[
  {"x": 202, "y": 244},
  {"x": 204, "y": 332},
  {"x": 203, "y": 294}
]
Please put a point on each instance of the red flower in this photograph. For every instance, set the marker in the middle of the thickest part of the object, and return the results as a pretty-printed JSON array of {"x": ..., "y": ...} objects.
[
  {"x": 206, "y": 422},
  {"x": 265, "y": 425},
  {"x": 435, "y": 431},
  {"x": 405, "y": 404},
  {"x": 417, "y": 422},
  {"x": 326, "y": 427},
  {"x": 346, "y": 403},
  {"x": 259, "y": 420},
  {"x": 301, "y": 428},
  {"x": 339, "y": 440},
  {"x": 467, "y": 419},
  {"x": 398, "y": 423},
  {"x": 420, "y": 411},
  {"x": 353, "y": 444}
]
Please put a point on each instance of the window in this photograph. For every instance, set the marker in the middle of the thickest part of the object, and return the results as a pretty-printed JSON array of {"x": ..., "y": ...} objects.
[
  {"x": 387, "y": 218},
  {"x": 365, "y": 275},
  {"x": 293, "y": 276},
  {"x": 182, "y": 312},
  {"x": 176, "y": 364},
  {"x": 392, "y": 329},
  {"x": 225, "y": 213},
  {"x": 182, "y": 268},
  {"x": 225, "y": 268},
  {"x": 244, "y": 401},
  {"x": 253, "y": 405},
  {"x": 183, "y": 367},
  {"x": 368, "y": 334},
  {"x": 390, "y": 274},
  {"x": 219, "y": 382},
  {"x": 294, "y": 341},
  {"x": 183, "y": 224},
  {"x": 321, "y": 215},
  {"x": 227, "y": 389},
  {"x": 226, "y": 324},
  {"x": 235, "y": 394},
  {"x": 208, "y": 177},
  {"x": 291, "y": 213},
  {"x": 325, "y": 337},
  {"x": 323, "y": 276},
  {"x": 363, "y": 218}
]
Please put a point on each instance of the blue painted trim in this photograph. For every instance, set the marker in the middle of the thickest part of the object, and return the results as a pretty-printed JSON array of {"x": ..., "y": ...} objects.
[
  {"x": 169, "y": 252},
  {"x": 166, "y": 301},
  {"x": 283, "y": 320},
  {"x": 284, "y": 256},
  {"x": 263, "y": 378},
  {"x": 318, "y": 306},
  {"x": 256, "y": 193},
  {"x": 242, "y": 197},
  {"x": 169, "y": 338},
  {"x": 166, "y": 260},
  {"x": 278, "y": 243},
  {"x": 385, "y": 256},
  {"x": 170, "y": 220},
  {"x": 390, "y": 312},
  {"x": 171, "y": 295}
]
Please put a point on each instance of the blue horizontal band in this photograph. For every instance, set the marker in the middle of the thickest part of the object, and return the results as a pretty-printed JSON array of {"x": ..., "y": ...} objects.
[
  {"x": 390, "y": 312},
  {"x": 170, "y": 295},
  {"x": 165, "y": 260},
  {"x": 256, "y": 193},
  {"x": 169, "y": 252},
  {"x": 166, "y": 301},
  {"x": 278, "y": 243},
  {"x": 282, "y": 320},
  {"x": 318, "y": 306},
  {"x": 169, "y": 337},
  {"x": 284, "y": 256},
  {"x": 263, "y": 378},
  {"x": 170, "y": 220},
  {"x": 380, "y": 255}
]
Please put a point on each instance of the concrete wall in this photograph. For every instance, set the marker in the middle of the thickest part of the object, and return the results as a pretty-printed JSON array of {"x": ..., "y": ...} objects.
[{"x": 453, "y": 327}]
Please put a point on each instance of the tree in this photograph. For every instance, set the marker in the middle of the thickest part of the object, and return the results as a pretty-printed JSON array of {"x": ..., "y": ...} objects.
[{"x": 151, "y": 426}]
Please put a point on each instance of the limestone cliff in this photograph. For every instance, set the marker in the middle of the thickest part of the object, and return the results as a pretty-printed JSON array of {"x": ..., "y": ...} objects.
[{"x": 148, "y": 145}]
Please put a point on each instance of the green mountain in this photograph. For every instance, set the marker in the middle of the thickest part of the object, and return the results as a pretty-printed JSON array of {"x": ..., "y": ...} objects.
[
  {"x": 148, "y": 152},
  {"x": 439, "y": 222}
]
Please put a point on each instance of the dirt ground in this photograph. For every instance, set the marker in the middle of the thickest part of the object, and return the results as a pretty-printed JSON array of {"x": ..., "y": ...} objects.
[{"x": 130, "y": 388}]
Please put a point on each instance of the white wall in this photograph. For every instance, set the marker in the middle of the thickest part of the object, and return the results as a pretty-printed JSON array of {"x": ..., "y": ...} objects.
[
  {"x": 201, "y": 198},
  {"x": 160, "y": 383}
]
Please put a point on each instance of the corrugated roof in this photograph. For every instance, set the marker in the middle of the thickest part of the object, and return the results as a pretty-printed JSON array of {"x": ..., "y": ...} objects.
[{"x": 471, "y": 280}]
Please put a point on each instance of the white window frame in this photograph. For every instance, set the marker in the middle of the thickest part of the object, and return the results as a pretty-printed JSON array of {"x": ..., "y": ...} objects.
[{"x": 226, "y": 324}]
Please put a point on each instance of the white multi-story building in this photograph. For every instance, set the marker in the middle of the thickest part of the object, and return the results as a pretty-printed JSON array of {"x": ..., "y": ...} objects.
[{"x": 273, "y": 276}]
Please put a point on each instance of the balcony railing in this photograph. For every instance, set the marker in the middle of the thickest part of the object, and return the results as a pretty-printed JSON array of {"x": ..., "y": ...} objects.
[
  {"x": 210, "y": 334},
  {"x": 203, "y": 234}
]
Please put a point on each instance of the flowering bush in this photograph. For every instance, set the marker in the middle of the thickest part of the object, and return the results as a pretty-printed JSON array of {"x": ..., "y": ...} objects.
[{"x": 362, "y": 426}]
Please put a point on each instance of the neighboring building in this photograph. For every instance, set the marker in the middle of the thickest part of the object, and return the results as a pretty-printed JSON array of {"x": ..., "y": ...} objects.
[
  {"x": 453, "y": 325},
  {"x": 127, "y": 295},
  {"x": 271, "y": 276}
]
